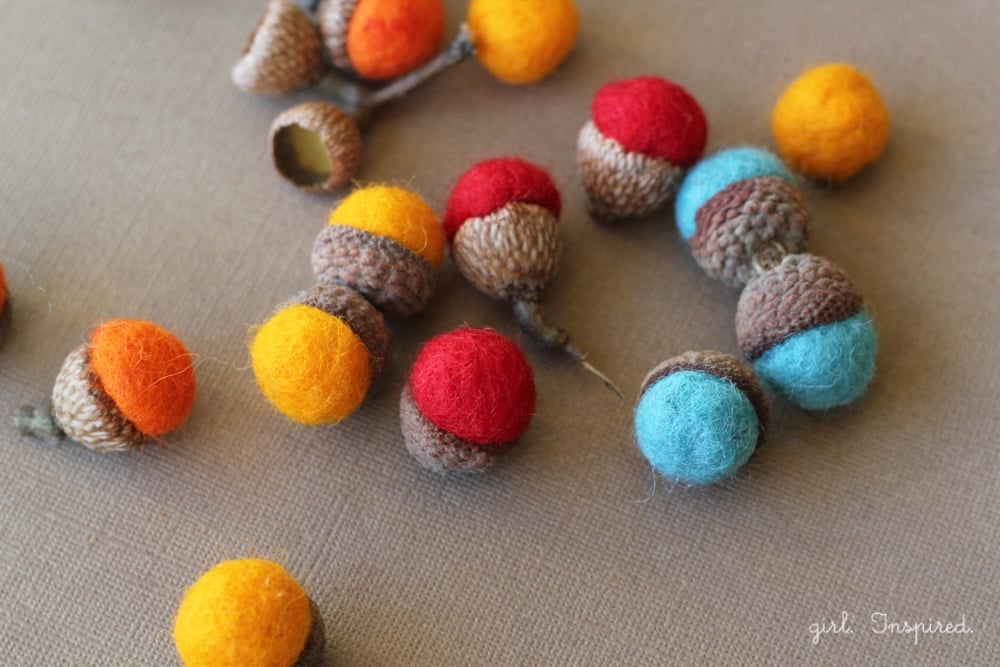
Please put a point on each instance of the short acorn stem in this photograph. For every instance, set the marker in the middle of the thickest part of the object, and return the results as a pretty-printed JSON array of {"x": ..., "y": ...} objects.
[
  {"x": 529, "y": 315},
  {"x": 359, "y": 102},
  {"x": 768, "y": 257},
  {"x": 32, "y": 421}
]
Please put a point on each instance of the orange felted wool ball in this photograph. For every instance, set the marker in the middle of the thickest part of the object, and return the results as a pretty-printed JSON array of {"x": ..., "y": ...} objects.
[
  {"x": 831, "y": 122},
  {"x": 132, "y": 383},
  {"x": 388, "y": 38}
]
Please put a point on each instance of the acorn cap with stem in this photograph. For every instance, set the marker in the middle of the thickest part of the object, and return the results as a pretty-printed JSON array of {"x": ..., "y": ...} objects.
[{"x": 283, "y": 53}]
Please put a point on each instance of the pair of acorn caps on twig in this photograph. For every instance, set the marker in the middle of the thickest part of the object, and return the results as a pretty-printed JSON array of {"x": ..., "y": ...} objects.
[{"x": 346, "y": 46}]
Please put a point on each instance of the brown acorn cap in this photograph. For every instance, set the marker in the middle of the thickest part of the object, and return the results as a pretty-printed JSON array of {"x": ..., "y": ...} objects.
[
  {"x": 720, "y": 365},
  {"x": 334, "y": 17},
  {"x": 511, "y": 253},
  {"x": 619, "y": 183},
  {"x": 315, "y": 146},
  {"x": 802, "y": 292},
  {"x": 283, "y": 53},
  {"x": 743, "y": 220},
  {"x": 85, "y": 412},
  {"x": 367, "y": 323},
  {"x": 438, "y": 450},
  {"x": 396, "y": 280}
]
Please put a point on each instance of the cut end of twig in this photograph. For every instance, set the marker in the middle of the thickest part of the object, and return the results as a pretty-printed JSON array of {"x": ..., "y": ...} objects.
[
  {"x": 32, "y": 421},
  {"x": 529, "y": 315}
]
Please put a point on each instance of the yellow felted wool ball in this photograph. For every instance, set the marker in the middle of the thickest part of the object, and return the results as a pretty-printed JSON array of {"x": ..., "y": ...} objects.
[
  {"x": 524, "y": 41},
  {"x": 311, "y": 365},
  {"x": 395, "y": 213},
  {"x": 831, "y": 122},
  {"x": 243, "y": 613}
]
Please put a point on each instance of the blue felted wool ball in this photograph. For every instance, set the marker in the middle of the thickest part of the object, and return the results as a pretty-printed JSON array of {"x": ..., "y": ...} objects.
[
  {"x": 804, "y": 327},
  {"x": 824, "y": 367},
  {"x": 700, "y": 417},
  {"x": 714, "y": 173}
]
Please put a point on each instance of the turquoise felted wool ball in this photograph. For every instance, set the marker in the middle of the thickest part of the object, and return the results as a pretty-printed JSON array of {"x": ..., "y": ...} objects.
[
  {"x": 700, "y": 417},
  {"x": 714, "y": 173},
  {"x": 805, "y": 328}
]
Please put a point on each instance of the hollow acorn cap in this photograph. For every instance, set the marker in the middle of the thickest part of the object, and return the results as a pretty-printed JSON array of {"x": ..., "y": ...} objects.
[
  {"x": 315, "y": 146},
  {"x": 801, "y": 293},
  {"x": 283, "y": 54},
  {"x": 511, "y": 253},
  {"x": 745, "y": 220}
]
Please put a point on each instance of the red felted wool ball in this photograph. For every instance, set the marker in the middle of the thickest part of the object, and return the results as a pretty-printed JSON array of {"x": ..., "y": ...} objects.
[
  {"x": 491, "y": 184},
  {"x": 652, "y": 116},
  {"x": 475, "y": 384}
]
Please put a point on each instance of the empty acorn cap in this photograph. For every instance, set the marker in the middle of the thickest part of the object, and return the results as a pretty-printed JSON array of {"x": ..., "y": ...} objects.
[
  {"x": 742, "y": 221},
  {"x": 511, "y": 253},
  {"x": 334, "y": 17},
  {"x": 315, "y": 146},
  {"x": 283, "y": 54},
  {"x": 620, "y": 183}
]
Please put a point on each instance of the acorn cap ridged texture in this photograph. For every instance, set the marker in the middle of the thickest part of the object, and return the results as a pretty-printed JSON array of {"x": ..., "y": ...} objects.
[
  {"x": 339, "y": 134},
  {"x": 511, "y": 253},
  {"x": 620, "y": 183},
  {"x": 364, "y": 320},
  {"x": 85, "y": 412},
  {"x": 334, "y": 18},
  {"x": 396, "y": 280},
  {"x": 283, "y": 53},
  {"x": 802, "y": 292},
  {"x": 744, "y": 219},
  {"x": 720, "y": 365},
  {"x": 438, "y": 450}
]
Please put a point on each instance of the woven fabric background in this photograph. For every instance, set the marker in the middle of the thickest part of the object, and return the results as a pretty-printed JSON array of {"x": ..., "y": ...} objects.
[{"x": 134, "y": 182}]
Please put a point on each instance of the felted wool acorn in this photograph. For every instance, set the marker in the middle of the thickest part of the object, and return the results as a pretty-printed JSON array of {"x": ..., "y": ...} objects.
[
  {"x": 248, "y": 613},
  {"x": 386, "y": 243},
  {"x": 805, "y": 328},
  {"x": 315, "y": 146},
  {"x": 503, "y": 221},
  {"x": 381, "y": 39},
  {"x": 470, "y": 396},
  {"x": 317, "y": 356},
  {"x": 700, "y": 417},
  {"x": 132, "y": 383},
  {"x": 643, "y": 133},
  {"x": 831, "y": 122},
  {"x": 4, "y": 305},
  {"x": 739, "y": 210},
  {"x": 283, "y": 54}
]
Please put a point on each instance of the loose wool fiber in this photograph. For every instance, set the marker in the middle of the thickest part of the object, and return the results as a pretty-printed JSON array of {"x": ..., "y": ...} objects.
[
  {"x": 824, "y": 367},
  {"x": 492, "y": 184},
  {"x": 243, "y": 613},
  {"x": 522, "y": 41},
  {"x": 695, "y": 427},
  {"x": 831, "y": 122},
  {"x": 147, "y": 372},
  {"x": 388, "y": 38},
  {"x": 652, "y": 116},
  {"x": 310, "y": 365},
  {"x": 475, "y": 384},
  {"x": 711, "y": 175},
  {"x": 394, "y": 213}
]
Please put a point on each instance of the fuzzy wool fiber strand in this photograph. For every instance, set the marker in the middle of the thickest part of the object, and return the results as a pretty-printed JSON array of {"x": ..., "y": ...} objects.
[
  {"x": 831, "y": 122},
  {"x": 243, "y": 613},
  {"x": 524, "y": 41}
]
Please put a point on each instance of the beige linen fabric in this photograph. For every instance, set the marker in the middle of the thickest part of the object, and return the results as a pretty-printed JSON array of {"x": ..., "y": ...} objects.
[{"x": 135, "y": 182}]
